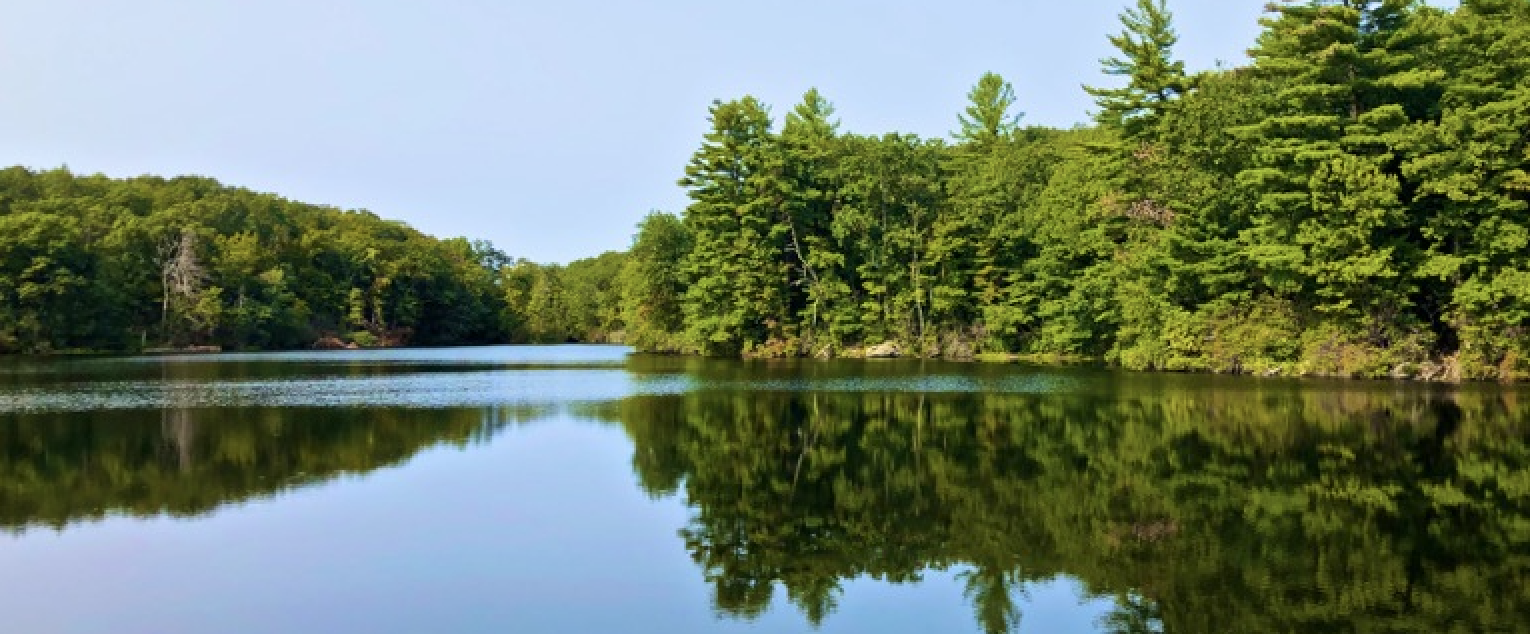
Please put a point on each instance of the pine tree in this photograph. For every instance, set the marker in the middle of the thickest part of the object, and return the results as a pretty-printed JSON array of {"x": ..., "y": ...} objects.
[
  {"x": 1153, "y": 76},
  {"x": 1067, "y": 289},
  {"x": 964, "y": 248},
  {"x": 1331, "y": 218},
  {"x": 809, "y": 154},
  {"x": 735, "y": 276},
  {"x": 988, "y": 117},
  {"x": 1134, "y": 162},
  {"x": 1472, "y": 170}
]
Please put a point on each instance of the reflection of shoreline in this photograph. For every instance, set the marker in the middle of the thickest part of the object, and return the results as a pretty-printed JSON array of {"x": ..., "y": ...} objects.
[
  {"x": 1195, "y": 511},
  {"x": 60, "y": 469}
]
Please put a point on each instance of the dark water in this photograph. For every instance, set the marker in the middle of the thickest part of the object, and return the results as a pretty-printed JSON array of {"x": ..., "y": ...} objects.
[{"x": 576, "y": 489}]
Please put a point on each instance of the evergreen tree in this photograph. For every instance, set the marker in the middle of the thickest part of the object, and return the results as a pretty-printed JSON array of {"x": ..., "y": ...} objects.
[
  {"x": 736, "y": 274},
  {"x": 963, "y": 248},
  {"x": 1139, "y": 208},
  {"x": 808, "y": 159},
  {"x": 1068, "y": 286},
  {"x": 1355, "y": 202},
  {"x": 988, "y": 117},
  {"x": 1473, "y": 173},
  {"x": 1153, "y": 76},
  {"x": 1331, "y": 221}
]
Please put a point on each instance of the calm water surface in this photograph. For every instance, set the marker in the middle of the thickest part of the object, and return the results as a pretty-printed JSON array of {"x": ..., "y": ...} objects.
[{"x": 583, "y": 489}]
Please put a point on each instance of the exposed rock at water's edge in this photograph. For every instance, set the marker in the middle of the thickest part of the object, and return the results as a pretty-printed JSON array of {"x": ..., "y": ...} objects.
[{"x": 333, "y": 343}]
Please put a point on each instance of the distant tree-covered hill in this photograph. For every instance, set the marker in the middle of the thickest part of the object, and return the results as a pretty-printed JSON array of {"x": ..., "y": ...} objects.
[{"x": 89, "y": 262}]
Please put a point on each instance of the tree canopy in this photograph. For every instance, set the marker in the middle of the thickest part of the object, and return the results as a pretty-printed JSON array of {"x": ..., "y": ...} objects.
[
  {"x": 88, "y": 262},
  {"x": 1353, "y": 203}
]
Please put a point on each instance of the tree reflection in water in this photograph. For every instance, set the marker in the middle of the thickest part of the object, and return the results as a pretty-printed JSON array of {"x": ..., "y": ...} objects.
[
  {"x": 1195, "y": 510},
  {"x": 61, "y": 468}
]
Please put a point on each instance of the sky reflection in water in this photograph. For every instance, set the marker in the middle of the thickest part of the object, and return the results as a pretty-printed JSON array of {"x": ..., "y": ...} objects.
[{"x": 576, "y": 489}]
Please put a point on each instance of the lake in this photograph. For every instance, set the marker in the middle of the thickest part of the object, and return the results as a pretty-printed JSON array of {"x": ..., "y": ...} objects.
[{"x": 584, "y": 489}]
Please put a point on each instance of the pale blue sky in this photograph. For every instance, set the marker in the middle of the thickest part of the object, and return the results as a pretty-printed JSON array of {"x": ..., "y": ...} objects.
[{"x": 549, "y": 128}]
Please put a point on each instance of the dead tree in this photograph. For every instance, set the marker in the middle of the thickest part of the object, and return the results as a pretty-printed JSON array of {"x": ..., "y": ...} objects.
[{"x": 181, "y": 275}]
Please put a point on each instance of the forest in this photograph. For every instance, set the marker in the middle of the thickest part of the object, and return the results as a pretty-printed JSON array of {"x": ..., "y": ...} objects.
[
  {"x": 89, "y": 263},
  {"x": 1354, "y": 201}
]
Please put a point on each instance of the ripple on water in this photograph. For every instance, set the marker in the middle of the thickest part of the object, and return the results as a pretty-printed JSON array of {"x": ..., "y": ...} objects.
[
  {"x": 1038, "y": 383},
  {"x": 442, "y": 378},
  {"x": 432, "y": 390}
]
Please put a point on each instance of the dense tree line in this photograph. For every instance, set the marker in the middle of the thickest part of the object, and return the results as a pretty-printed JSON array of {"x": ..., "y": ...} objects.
[
  {"x": 1354, "y": 202},
  {"x": 577, "y": 302},
  {"x": 1269, "y": 507},
  {"x": 93, "y": 263},
  {"x": 88, "y": 262}
]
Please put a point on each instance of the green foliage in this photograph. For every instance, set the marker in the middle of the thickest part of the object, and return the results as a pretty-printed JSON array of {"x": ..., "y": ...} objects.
[
  {"x": 578, "y": 302},
  {"x": 363, "y": 338},
  {"x": 1331, "y": 217},
  {"x": 1353, "y": 203},
  {"x": 88, "y": 262},
  {"x": 1153, "y": 77},
  {"x": 651, "y": 287},
  {"x": 736, "y": 274},
  {"x": 892, "y": 196},
  {"x": 972, "y": 240},
  {"x": 592, "y": 295},
  {"x": 45, "y": 282},
  {"x": 547, "y": 316},
  {"x": 809, "y": 186},
  {"x": 1356, "y": 202},
  {"x": 1472, "y": 169},
  {"x": 988, "y": 117}
]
